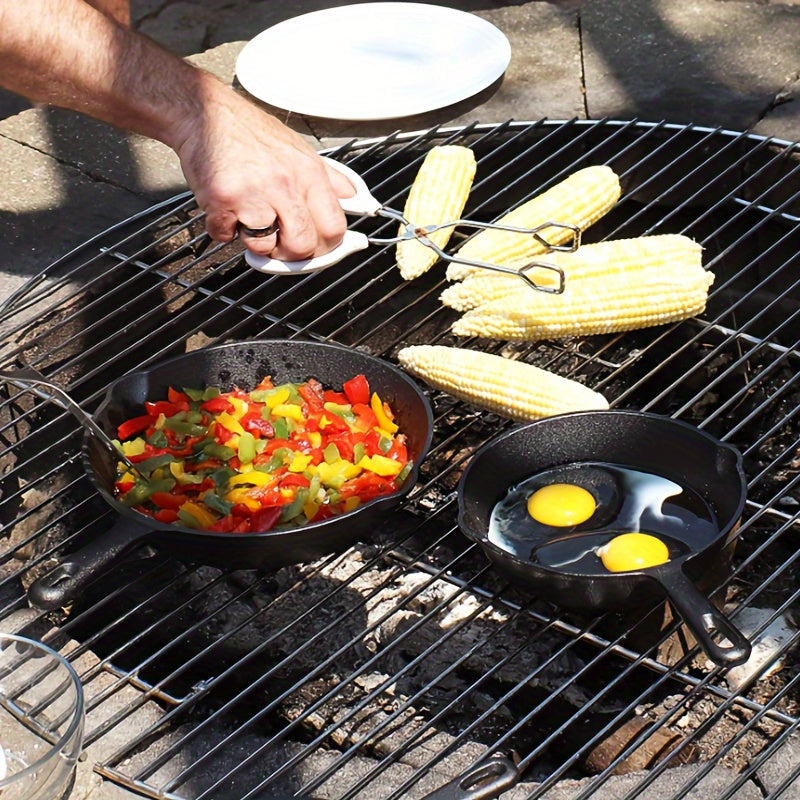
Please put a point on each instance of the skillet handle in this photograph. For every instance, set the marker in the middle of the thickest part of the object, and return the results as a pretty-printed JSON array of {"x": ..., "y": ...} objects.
[
  {"x": 66, "y": 581},
  {"x": 484, "y": 782},
  {"x": 705, "y": 620}
]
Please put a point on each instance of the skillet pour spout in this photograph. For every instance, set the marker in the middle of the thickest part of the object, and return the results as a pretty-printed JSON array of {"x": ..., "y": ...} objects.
[{"x": 641, "y": 441}]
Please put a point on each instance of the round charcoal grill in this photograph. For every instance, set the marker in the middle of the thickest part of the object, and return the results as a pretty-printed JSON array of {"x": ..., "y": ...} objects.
[{"x": 391, "y": 669}]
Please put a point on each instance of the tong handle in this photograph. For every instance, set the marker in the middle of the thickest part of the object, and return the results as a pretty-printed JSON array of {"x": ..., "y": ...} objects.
[{"x": 362, "y": 203}]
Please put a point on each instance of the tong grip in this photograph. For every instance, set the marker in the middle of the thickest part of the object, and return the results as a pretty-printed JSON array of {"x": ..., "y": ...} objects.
[{"x": 362, "y": 203}]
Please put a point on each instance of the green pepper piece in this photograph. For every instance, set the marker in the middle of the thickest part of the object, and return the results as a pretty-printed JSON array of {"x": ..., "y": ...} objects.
[
  {"x": 142, "y": 490},
  {"x": 281, "y": 427},
  {"x": 384, "y": 444},
  {"x": 279, "y": 458},
  {"x": 150, "y": 465},
  {"x": 183, "y": 427},
  {"x": 331, "y": 454},
  {"x": 193, "y": 394},
  {"x": 220, "y": 477},
  {"x": 403, "y": 474},
  {"x": 220, "y": 451},
  {"x": 188, "y": 520},
  {"x": 216, "y": 503},
  {"x": 358, "y": 452},
  {"x": 210, "y": 392},
  {"x": 291, "y": 510},
  {"x": 247, "y": 447},
  {"x": 158, "y": 439}
]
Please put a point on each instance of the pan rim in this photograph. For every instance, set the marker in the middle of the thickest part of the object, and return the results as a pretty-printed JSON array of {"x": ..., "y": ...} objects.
[{"x": 178, "y": 531}]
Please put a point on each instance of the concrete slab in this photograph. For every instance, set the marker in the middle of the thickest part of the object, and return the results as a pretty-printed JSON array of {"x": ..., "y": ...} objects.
[{"x": 704, "y": 61}]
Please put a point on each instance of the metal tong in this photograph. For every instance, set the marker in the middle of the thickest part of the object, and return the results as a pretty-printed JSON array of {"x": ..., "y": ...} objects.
[
  {"x": 31, "y": 380},
  {"x": 363, "y": 204}
]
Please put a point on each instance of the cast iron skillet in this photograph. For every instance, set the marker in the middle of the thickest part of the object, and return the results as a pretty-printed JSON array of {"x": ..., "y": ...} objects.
[
  {"x": 242, "y": 364},
  {"x": 651, "y": 443}
]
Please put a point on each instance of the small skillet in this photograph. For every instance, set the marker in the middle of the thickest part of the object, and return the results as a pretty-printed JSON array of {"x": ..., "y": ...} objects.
[{"x": 647, "y": 442}]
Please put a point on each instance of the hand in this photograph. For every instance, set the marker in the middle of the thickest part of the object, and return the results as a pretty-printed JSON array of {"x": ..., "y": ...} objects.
[{"x": 244, "y": 166}]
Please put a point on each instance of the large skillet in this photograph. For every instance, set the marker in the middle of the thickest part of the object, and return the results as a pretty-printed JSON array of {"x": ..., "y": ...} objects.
[
  {"x": 648, "y": 442},
  {"x": 241, "y": 364}
]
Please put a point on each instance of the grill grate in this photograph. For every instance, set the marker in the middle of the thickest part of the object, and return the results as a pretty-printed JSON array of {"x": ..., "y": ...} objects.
[{"x": 386, "y": 671}]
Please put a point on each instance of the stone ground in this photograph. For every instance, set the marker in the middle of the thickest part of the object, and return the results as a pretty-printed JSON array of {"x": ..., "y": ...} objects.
[{"x": 717, "y": 63}]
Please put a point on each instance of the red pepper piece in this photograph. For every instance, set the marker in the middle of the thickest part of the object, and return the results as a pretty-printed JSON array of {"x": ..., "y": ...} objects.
[
  {"x": 313, "y": 394},
  {"x": 365, "y": 417},
  {"x": 398, "y": 451},
  {"x": 344, "y": 444},
  {"x": 167, "y": 500},
  {"x": 179, "y": 398},
  {"x": 167, "y": 515},
  {"x": 357, "y": 389},
  {"x": 133, "y": 426},
  {"x": 163, "y": 407},
  {"x": 335, "y": 397},
  {"x": 295, "y": 479},
  {"x": 254, "y": 423},
  {"x": 216, "y": 405},
  {"x": 264, "y": 519}
]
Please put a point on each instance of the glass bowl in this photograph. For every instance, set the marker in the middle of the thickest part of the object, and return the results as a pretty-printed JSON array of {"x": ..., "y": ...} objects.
[{"x": 41, "y": 721}]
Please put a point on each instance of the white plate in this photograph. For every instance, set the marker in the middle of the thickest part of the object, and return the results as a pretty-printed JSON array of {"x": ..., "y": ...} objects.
[{"x": 373, "y": 60}]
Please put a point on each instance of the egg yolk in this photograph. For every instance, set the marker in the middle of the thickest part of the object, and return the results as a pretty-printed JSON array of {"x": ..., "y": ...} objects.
[
  {"x": 561, "y": 505},
  {"x": 632, "y": 551}
]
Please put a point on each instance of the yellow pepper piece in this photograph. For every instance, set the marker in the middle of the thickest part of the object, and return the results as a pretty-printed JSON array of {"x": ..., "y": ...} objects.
[
  {"x": 323, "y": 423},
  {"x": 135, "y": 447},
  {"x": 239, "y": 407},
  {"x": 299, "y": 462},
  {"x": 383, "y": 420},
  {"x": 352, "y": 503},
  {"x": 241, "y": 495},
  {"x": 289, "y": 410},
  {"x": 315, "y": 437},
  {"x": 337, "y": 473},
  {"x": 127, "y": 476},
  {"x": 310, "y": 510},
  {"x": 278, "y": 397},
  {"x": 231, "y": 423},
  {"x": 381, "y": 465},
  {"x": 202, "y": 515},
  {"x": 253, "y": 478}
]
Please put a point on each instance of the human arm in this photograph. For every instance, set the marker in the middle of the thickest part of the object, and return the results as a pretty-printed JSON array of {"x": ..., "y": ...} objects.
[{"x": 242, "y": 163}]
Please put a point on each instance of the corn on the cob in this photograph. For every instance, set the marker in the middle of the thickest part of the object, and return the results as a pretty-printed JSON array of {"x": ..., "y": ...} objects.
[
  {"x": 580, "y": 199},
  {"x": 512, "y": 389},
  {"x": 438, "y": 194},
  {"x": 613, "y": 303},
  {"x": 589, "y": 261}
]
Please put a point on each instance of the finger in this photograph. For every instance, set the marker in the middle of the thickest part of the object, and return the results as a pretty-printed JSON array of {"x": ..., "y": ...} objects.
[
  {"x": 341, "y": 186},
  {"x": 221, "y": 225},
  {"x": 261, "y": 241},
  {"x": 321, "y": 224}
]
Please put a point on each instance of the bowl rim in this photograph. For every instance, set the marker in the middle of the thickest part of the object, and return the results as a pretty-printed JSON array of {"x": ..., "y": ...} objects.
[{"x": 78, "y": 715}]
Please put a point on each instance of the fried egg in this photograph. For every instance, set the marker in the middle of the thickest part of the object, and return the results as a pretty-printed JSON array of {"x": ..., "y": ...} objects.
[
  {"x": 631, "y": 551},
  {"x": 561, "y": 504}
]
